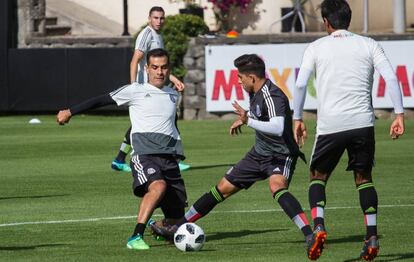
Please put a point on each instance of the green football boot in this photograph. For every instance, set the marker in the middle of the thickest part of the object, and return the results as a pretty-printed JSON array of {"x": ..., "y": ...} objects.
[
  {"x": 183, "y": 166},
  {"x": 120, "y": 166},
  {"x": 137, "y": 243}
]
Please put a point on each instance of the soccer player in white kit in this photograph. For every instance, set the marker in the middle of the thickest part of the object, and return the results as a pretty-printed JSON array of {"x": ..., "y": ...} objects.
[
  {"x": 156, "y": 142},
  {"x": 344, "y": 64},
  {"x": 149, "y": 38}
]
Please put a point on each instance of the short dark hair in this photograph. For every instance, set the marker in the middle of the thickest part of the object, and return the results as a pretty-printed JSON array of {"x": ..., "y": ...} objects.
[
  {"x": 158, "y": 52},
  {"x": 156, "y": 9},
  {"x": 337, "y": 12},
  {"x": 250, "y": 64}
]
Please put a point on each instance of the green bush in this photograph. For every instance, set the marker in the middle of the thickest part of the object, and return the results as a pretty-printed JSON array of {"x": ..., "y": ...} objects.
[{"x": 176, "y": 32}]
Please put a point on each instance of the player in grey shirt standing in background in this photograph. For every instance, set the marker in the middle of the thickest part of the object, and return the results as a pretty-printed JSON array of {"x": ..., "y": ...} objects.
[
  {"x": 149, "y": 38},
  {"x": 344, "y": 64}
]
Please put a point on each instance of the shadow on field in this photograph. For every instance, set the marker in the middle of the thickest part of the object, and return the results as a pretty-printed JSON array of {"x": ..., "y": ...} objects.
[
  {"x": 20, "y": 248},
  {"x": 210, "y": 166},
  {"x": 354, "y": 238},
  {"x": 388, "y": 257},
  {"x": 223, "y": 235},
  {"x": 24, "y": 197}
]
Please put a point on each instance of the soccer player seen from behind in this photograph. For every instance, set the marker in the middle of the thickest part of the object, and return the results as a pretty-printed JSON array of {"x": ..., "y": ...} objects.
[
  {"x": 156, "y": 143},
  {"x": 149, "y": 38},
  {"x": 273, "y": 156},
  {"x": 344, "y": 64}
]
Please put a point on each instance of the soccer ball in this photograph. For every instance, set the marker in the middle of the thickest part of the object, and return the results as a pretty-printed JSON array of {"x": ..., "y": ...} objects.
[{"x": 189, "y": 237}]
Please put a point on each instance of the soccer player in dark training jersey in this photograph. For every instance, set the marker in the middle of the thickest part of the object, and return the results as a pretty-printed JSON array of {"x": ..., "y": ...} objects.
[{"x": 272, "y": 157}]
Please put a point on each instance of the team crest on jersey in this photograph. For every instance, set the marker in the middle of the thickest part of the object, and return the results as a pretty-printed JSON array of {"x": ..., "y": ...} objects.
[
  {"x": 150, "y": 171},
  {"x": 258, "y": 111},
  {"x": 173, "y": 98}
]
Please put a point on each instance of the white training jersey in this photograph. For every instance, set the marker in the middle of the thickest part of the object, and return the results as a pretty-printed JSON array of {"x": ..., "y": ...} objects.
[
  {"x": 152, "y": 112},
  {"x": 147, "y": 40},
  {"x": 344, "y": 63}
]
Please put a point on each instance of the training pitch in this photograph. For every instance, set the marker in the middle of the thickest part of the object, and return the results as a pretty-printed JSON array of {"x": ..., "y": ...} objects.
[{"x": 60, "y": 201}]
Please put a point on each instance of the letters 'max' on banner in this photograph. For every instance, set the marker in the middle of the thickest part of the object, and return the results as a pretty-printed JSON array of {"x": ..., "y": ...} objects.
[{"x": 282, "y": 67}]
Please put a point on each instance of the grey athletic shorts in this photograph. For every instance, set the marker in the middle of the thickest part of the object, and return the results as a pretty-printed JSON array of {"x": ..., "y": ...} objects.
[
  {"x": 149, "y": 168},
  {"x": 254, "y": 167}
]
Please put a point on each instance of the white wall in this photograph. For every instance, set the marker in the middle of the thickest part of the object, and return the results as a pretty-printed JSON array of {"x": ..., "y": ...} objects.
[
  {"x": 138, "y": 12},
  {"x": 137, "y": 9},
  {"x": 265, "y": 13}
]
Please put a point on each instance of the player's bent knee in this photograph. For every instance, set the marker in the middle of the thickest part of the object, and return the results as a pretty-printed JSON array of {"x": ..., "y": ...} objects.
[
  {"x": 157, "y": 186},
  {"x": 226, "y": 188},
  {"x": 317, "y": 175},
  {"x": 362, "y": 177},
  {"x": 277, "y": 182}
]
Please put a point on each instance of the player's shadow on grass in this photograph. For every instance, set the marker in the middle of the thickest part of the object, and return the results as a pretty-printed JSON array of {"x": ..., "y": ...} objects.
[
  {"x": 22, "y": 248},
  {"x": 237, "y": 234},
  {"x": 210, "y": 166},
  {"x": 388, "y": 257},
  {"x": 25, "y": 197},
  {"x": 354, "y": 238}
]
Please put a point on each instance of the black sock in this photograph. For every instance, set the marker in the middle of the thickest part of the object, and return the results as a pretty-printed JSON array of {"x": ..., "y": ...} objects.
[
  {"x": 292, "y": 208},
  {"x": 139, "y": 229},
  {"x": 121, "y": 156},
  {"x": 368, "y": 200},
  {"x": 203, "y": 205},
  {"x": 317, "y": 201},
  {"x": 125, "y": 147}
]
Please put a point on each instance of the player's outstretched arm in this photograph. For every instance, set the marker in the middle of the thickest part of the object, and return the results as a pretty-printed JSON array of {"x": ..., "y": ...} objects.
[
  {"x": 274, "y": 126},
  {"x": 397, "y": 126},
  {"x": 177, "y": 83},
  {"x": 64, "y": 116}
]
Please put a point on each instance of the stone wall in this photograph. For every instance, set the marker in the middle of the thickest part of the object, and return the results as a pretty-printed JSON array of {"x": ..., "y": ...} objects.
[
  {"x": 74, "y": 41},
  {"x": 31, "y": 16},
  {"x": 194, "y": 99}
]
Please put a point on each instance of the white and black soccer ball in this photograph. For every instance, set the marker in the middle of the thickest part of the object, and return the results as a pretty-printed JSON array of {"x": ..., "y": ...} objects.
[{"x": 189, "y": 237}]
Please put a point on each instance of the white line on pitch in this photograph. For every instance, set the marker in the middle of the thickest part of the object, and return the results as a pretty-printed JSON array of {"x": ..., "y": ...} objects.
[{"x": 158, "y": 215}]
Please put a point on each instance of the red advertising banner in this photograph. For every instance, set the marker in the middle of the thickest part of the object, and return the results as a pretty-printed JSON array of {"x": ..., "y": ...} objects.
[{"x": 282, "y": 65}]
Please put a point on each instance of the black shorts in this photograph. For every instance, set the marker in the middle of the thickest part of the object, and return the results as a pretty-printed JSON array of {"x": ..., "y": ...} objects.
[
  {"x": 254, "y": 167},
  {"x": 359, "y": 144},
  {"x": 149, "y": 168}
]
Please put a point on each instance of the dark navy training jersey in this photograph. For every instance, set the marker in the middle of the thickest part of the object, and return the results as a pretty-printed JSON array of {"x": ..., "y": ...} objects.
[{"x": 270, "y": 102}]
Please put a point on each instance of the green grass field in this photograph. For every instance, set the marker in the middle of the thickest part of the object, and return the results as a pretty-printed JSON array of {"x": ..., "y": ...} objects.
[{"x": 60, "y": 201}]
